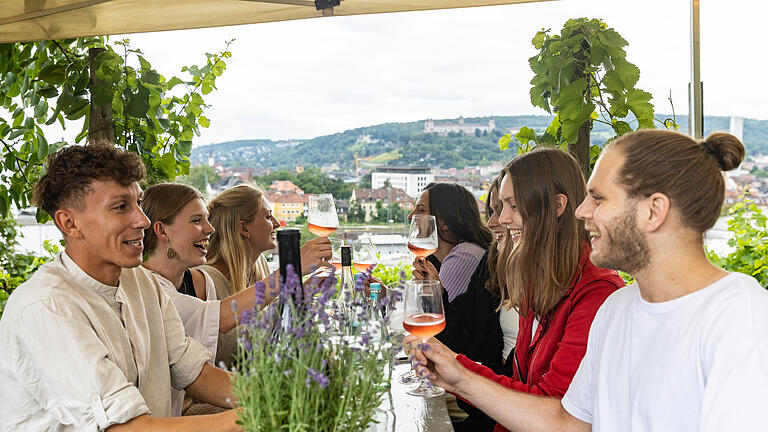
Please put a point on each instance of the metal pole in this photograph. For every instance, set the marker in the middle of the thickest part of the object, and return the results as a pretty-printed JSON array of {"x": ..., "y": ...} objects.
[{"x": 695, "y": 87}]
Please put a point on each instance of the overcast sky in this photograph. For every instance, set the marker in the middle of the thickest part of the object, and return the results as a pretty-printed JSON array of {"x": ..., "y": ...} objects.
[{"x": 315, "y": 77}]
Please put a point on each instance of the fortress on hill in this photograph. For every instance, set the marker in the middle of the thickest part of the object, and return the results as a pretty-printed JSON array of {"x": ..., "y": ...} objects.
[{"x": 444, "y": 128}]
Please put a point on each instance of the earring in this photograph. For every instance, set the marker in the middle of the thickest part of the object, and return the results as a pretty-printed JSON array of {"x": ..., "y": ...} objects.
[{"x": 171, "y": 254}]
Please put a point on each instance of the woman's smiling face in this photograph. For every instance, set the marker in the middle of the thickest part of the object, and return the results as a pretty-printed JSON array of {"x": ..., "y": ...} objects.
[{"x": 190, "y": 232}]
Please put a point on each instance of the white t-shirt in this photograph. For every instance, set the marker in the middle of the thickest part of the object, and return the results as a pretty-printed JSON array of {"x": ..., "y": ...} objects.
[
  {"x": 509, "y": 321},
  {"x": 78, "y": 355},
  {"x": 695, "y": 363}
]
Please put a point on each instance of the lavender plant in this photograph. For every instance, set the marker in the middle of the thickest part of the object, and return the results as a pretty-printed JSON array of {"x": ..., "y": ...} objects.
[{"x": 321, "y": 369}]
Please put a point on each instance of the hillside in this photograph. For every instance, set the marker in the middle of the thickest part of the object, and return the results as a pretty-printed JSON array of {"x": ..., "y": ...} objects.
[{"x": 407, "y": 144}]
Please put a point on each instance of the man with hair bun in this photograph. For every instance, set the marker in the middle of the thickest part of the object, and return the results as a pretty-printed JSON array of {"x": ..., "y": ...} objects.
[
  {"x": 91, "y": 342},
  {"x": 685, "y": 348}
]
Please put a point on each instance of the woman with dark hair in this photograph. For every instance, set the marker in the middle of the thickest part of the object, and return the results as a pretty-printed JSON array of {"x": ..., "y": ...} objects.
[
  {"x": 549, "y": 276},
  {"x": 460, "y": 264}
]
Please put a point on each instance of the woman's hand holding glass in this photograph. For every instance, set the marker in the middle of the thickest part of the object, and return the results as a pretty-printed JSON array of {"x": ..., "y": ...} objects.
[
  {"x": 424, "y": 270},
  {"x": 315, "y": 254},
  {"x": 424, "y": 317}
]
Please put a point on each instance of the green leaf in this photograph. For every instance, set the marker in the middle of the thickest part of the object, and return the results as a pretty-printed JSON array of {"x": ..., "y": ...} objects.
[
  {"x": 41, "y": 216},
  {"x": 164, "y": 123},
  {"x": 41, "y": 109},
  {"x": 53, "y": 117},
  {"x": 185, "y": 148},
  {"x": 621, "y": 127},
  {"x": 504, "y": 141},
  {"x": 65, "y": 99},
  {"x": 10, "y": 161},
  {"x": 102, "y": 94},
  {"x": 17, "y": 132},
  {"x": 49, "y": 92},
  {"x": 138, "y": 104},
  {"x": 150, "y": 77},
  {"x": 77, "y": 109},
  {"x": 166, "y": 164},
  {"x": 4, "y": 205},
  {"x": 203, "y": 121},
  {"x": 144, "y": 63},
  {"x": 571, "y": 97},
  {"x": 639, "y": 102},
  {"x": 174, "y": 82},
  {"x": 52, "y": 74},
  {"x": 525, "y": 135},
  {"x": 42, "y": 148},
  {"x": 626, "y": 74}
]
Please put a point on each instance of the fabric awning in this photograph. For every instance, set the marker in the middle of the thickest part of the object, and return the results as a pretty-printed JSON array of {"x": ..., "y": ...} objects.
[{"x": 30, "y": 20}]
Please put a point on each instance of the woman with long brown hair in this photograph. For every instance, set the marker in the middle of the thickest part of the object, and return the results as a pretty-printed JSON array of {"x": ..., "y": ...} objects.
[{"x": 550, "y": 279}]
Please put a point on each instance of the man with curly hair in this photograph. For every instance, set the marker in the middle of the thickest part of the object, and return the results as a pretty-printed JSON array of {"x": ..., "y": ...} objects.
[{"x": 90, "y": 341}]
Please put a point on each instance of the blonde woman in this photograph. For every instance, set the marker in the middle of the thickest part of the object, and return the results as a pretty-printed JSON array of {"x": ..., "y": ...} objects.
[{"x": 245, "y": 227}]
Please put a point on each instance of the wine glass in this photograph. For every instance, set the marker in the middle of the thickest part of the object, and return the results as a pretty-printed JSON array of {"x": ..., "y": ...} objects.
[
  {"x": 422, "y": 236},
  {"x": 336, "y": 254},
  {"x": 322, "y": 220},
  {"x": 424, "y": 318},
  {"x": 395, "y": 318},
  {"x": 365, "y": 254}
]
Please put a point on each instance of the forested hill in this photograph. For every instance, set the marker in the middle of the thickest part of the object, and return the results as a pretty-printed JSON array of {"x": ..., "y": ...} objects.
[{"x": 407, "y": 144}]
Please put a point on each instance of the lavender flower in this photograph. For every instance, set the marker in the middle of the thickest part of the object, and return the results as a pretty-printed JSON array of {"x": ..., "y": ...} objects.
[
  {"x": 318, "y": 377},
  {"x": 259, "y": 291}
]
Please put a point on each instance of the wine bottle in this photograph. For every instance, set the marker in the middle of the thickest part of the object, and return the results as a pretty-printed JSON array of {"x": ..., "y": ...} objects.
[
  {"x": 347, "y": 291},
  {"x": 376, "y": 315},
  {"x": 289, "y": 253}
]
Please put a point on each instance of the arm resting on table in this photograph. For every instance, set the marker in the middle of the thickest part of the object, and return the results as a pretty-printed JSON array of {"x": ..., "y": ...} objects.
[
  {"x": 223, "y": 422},
  {"x": 519, "y": 411}
]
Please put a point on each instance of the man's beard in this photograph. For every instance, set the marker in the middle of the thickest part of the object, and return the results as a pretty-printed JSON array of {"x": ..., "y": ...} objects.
[{"x": 625, "y": 247}]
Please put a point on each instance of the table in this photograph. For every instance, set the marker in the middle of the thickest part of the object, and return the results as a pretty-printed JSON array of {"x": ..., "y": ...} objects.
[{"x": 408, "y": 413}]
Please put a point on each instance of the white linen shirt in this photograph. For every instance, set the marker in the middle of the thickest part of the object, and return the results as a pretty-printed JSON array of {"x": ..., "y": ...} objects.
[
  {"x": 76, "y": 354},
  {"x": 200, "y": 319}
]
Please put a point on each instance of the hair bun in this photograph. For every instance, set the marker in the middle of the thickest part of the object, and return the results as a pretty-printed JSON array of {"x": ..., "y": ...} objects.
[{"x": 725, "y": 148}]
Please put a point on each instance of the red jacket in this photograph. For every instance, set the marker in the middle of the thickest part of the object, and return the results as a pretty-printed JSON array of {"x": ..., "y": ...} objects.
[{"x": 546, "y": 365}]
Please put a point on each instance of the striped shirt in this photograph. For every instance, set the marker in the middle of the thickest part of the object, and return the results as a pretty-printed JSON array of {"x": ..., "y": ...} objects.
[{"x": 457, "y": 268}]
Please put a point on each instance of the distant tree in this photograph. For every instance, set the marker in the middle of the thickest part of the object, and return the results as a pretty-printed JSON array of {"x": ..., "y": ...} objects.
[
  {"x": 387, "y": 184},
  {"x": 396, "y": 213},
  {"x": 356, "y": 213},
  {"x": 381, "y": 212},
  {"x": 485, "y": 133},
  {"x": 365, "y": 182},
  {"x": 199, "y": 177},
  {"x": 477, "y": 132}
]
